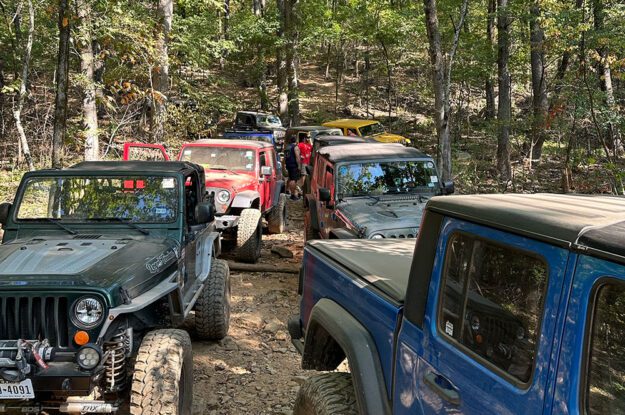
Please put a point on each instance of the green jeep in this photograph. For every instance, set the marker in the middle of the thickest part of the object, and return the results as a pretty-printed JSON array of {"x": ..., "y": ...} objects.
[{"x": 98, "y": 265}]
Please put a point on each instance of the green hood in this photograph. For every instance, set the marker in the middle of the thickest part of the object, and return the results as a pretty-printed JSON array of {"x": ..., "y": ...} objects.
[{"x": 119, "y": 268}]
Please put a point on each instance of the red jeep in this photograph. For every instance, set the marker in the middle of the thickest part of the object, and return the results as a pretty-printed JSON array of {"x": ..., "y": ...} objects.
[{"x": 245, "y": 179}]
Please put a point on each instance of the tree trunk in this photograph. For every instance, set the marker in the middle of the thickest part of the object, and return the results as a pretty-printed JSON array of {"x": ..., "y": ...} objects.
[
  {"x": 292, "y": 59},
  {"x": 389, "y": 78},
  {"x": 490, "y": 85},
  {"x": 605, "y": 71},
  {"x": 441, "y": 81},
  {"x": 540, "y": 103},
  {"x": 160, "y": 74},
  {"x": 87, "y": 68},
  {"x": 281, "y": 71},
  {"x": 505, "y": 84},
  {"x": 17, "y": 109},
  {"x": 62, "y": 76}
]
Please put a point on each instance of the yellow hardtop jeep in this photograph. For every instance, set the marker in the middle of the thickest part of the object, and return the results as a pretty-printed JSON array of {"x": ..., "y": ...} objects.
[{"x": 365, "y": 128}]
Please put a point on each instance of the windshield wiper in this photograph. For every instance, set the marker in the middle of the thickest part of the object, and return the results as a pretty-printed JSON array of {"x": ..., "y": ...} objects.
[
  {"x": 60, "y": 225},
  {"x": 226, "y": 169},
  {"x": 126, "y": 222}
]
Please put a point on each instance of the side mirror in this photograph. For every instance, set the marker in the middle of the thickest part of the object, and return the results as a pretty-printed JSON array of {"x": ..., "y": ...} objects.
[
  {"x": 266, "y": 171},
  {"x": 449, "y": 187},
  {"x": 4, "y": 212},
  {"x": 205, "y": 212},
  {"x": 325, "y": 195}
]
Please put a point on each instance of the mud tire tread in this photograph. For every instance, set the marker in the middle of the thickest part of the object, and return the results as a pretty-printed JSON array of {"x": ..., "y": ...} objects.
[
  {"x": 326, "y": 394},
  {"x": 212, "y": 309}
]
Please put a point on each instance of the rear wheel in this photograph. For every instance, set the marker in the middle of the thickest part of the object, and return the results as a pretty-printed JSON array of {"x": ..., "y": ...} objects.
[
  {"x": 276, "y": 219},
  {"x": 249, "y": 236},
  {"x": 212, "y": 309},
  {"x": 330, "y": 393},
  {"x": 162, "y": 382}
]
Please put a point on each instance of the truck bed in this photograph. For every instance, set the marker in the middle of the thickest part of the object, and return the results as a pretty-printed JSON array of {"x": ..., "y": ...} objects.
[{"x": 385, "y": 264}]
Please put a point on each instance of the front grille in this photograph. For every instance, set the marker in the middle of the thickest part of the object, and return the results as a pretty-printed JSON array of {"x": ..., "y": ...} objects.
[
  {"x": 35, "y": 318},
  {"x": 499, "y": 330}
]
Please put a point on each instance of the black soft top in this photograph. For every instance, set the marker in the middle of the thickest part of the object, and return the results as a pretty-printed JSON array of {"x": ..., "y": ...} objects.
[
  {"x": 594, "y": 224},
  {"x": 331, "y": 139},
  {"x": 135, "y": 166},
  {"x": 370, "y": 151}
]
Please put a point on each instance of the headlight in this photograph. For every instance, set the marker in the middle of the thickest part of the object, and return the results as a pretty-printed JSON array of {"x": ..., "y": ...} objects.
[
  {"x": 377, "y": 236},
  {"x": 223, "y": 196},
  {"x": 88, "y": 312},
  {"x": 88, "y": 357}
]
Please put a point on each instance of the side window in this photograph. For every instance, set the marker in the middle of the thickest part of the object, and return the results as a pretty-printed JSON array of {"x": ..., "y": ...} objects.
[
  {"x": 191, "y": 197},
  {"x": 320, "y": 169},
  {"x": 329, "y": 178},
  {"x": 605, "y": 393},
  {"x": 262, "y": 159},
  {"x": 352, "y": 132},
  {"x": 491, "y": 303}
]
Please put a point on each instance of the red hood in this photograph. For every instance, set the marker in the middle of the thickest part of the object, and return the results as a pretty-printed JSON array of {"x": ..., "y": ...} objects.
[{"x": 230, "y": 181}]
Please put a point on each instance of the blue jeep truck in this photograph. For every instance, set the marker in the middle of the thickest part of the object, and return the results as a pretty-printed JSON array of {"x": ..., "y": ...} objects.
[{"x": 509, "y": 304}]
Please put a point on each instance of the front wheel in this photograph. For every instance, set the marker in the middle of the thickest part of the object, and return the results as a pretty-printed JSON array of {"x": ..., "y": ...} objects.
[
  {"x": 249, "y": 236},
  {"x": 309, "y": 233},
  {"x": 162, "y": 382},
  {"x": 212, "y": 309},
  {"x": 327, "y": 394}
]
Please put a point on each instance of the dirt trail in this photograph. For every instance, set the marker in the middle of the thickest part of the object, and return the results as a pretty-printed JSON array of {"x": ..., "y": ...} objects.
[{"x": 255, "y": 370}]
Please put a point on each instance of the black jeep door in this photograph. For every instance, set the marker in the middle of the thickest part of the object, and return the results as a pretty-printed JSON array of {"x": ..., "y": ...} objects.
[{"x": 192, "y": 232}]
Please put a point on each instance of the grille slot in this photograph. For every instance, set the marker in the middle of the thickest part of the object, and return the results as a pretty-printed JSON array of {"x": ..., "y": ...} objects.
[
  {"x": 35, "y": 318},
  {"x": 86, "y": 236}
]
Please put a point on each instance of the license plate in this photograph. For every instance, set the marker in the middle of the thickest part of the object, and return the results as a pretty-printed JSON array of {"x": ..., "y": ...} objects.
[{"x": 17, "y": 390}]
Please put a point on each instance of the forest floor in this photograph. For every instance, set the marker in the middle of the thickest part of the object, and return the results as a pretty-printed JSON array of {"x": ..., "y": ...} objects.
[{"x": 255, "y": 369}]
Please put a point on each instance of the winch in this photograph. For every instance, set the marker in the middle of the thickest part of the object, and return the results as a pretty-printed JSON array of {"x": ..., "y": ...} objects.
[{"x": 16, "y": 357}]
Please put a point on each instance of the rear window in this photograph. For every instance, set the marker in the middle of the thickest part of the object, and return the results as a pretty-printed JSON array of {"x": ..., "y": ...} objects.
[
  {"x": 491, "y": 303},
  {"x": 605, "y": 392}
]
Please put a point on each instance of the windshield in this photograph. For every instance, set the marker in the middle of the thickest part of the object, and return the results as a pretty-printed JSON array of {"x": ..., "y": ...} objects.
[
  {"x": 396, "y": 177},
  {"x": 372, "y": 129},
  {"x": 268, "y": 120},
  {"x": 221, "y": 158},
  {"x": 140, "y": 199}
]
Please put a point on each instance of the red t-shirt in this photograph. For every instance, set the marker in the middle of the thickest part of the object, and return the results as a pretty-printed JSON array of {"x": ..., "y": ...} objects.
[{"x": 305, "y": 150}]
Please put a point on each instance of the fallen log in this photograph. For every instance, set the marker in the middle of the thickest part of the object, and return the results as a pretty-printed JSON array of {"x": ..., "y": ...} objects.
[{"x": 282, "y": 268}]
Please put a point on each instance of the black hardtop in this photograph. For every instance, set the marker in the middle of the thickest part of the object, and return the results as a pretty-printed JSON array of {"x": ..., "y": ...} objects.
[
  {"x": 592, "y": 223},
  {"x": 232, "y": 142},
  {"x": 132, "y": 167},
  {"x": 331, "y": 139},
  {"x": 310, "y": 128},
  {"x": 370, "y": 151}
]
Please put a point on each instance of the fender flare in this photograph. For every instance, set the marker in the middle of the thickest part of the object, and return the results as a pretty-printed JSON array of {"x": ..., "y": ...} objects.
[
  {"x": 359, "y": 348},
  {"x": 245, "y": 199},
  {"x": 343, "y": 233},
  {"x": 314, "y": 217}
]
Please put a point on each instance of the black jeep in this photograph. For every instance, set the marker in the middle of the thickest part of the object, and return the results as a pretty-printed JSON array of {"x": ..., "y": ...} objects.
[{"x": 99, "y": 263}]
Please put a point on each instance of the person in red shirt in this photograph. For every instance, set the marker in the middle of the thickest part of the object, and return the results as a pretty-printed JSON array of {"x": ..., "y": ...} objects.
[{"x": 305, "y": 149}]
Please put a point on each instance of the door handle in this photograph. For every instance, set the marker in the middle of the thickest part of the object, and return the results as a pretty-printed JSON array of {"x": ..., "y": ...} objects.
[{"x": 442, "y": 387}]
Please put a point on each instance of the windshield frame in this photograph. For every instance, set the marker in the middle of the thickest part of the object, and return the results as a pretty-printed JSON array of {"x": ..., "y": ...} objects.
[
  {"x": 241, "y": 146},
  {"x": 19, "y": 197},
  {"x": 362, "y": 134},
  {"x": 436, "y": 190}
]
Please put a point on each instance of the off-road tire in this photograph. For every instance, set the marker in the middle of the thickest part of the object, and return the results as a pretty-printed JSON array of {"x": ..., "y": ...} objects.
[
  {"x": 249, "y": 236},
  {"x": 326, "y": 394},
  {"x": 162, "y": 382},
  {"x": 276, "y": 219},
  {"x": 212, "y": 309},
  {"x": 309, "y": 233}
]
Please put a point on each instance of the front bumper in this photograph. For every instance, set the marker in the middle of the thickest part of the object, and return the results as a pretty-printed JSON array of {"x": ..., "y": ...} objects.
[{"x": 226, "y": 222}]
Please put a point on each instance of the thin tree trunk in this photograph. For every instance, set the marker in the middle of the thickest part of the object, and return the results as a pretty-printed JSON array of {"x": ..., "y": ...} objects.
[
  {"x": 540, "y": 102},
  {"x": 389, "y": 78},
  {"x": 87, "y": 65},
  {"x": 606, "y": 72},
  {"x": 441, "y": 80},
  {"x": 505, "y": 84},
  {"x": 62, "y": 76},
  {"x": 281, "y": 70},
  {"x": 160, "y": 75},
  {"x": 490, "y": 85},
  {"x": 292, "y": 59},
  {"x": 17, "y": 110}
]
